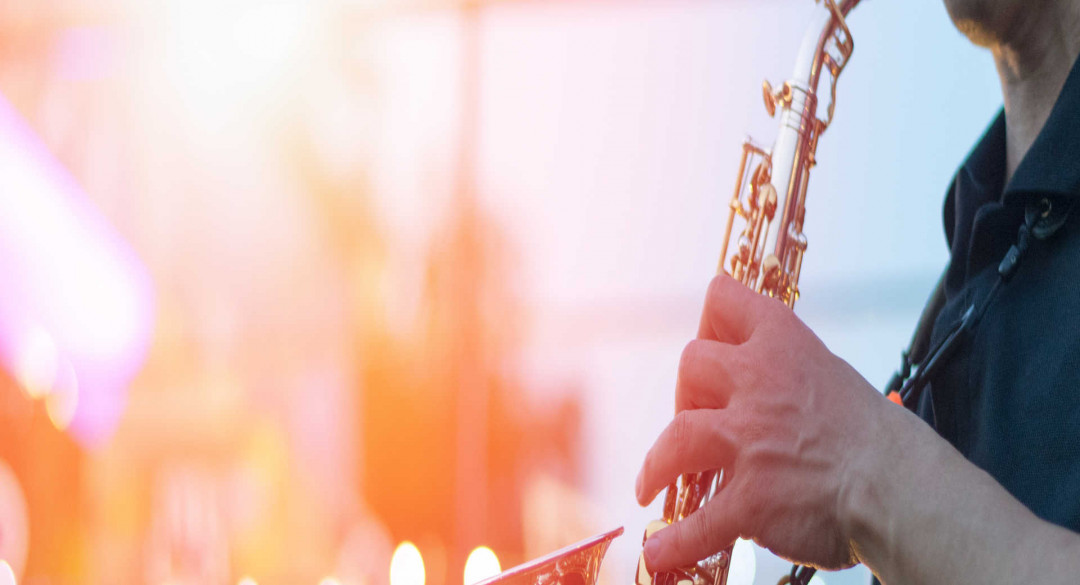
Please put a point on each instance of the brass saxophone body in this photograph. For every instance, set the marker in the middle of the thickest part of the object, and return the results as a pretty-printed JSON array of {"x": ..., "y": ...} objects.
[
  {"x": 770, "y": 201},
  {"x": 763, "y": 176},
  {"x": 577, "y": 564}
]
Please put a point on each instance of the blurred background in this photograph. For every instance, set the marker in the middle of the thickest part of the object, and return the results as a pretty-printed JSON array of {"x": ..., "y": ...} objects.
[{"x": 342, "y": 291}]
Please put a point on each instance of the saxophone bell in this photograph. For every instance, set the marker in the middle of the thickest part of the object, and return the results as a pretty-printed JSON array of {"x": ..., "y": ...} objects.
[{"x": 577, "y": 564}]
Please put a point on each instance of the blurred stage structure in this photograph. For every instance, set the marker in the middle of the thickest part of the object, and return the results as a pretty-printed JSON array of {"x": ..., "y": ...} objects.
[
  {"x": 303, "y": 406},
  {"x": 334, "y": 201}
]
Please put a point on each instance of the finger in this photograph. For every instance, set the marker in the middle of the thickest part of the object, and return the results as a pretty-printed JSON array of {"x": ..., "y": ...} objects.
[
  {"x": 732, "y": 311},
  {"x": 709, "y": 373},
  {"x": 710, "y": 529},
  {"x": 695, "y": 440}
]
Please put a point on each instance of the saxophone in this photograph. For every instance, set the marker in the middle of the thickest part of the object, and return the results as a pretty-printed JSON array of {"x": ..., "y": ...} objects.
[
  {"x": 827, "y": 47},
  {"x": 577, "y": 564}
]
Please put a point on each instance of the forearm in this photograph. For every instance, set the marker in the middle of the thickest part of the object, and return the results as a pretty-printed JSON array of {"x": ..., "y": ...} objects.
[{"x": 918, "y": 512}]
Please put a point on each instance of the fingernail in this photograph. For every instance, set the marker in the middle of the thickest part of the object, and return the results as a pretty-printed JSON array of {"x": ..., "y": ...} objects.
[
  {"x": 653, "y": 549},
  {"x": 637, "y": 486}
]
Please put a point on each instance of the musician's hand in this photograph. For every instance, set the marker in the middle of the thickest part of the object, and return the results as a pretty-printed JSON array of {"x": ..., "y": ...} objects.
[{"x": 760, "y": 396}]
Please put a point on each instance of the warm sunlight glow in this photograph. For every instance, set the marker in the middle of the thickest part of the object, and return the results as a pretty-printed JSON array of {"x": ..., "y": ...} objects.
[
  {"x": 407, "y": 566},
  {"x": 743, "y": 563},
  {"x": 268, "y": 34},
  {"x": 37, "y": 362},
  {"x": 481, "y": 564},
  {"x": 329, "y": 581},
  {"x": 246, "y": 581}
]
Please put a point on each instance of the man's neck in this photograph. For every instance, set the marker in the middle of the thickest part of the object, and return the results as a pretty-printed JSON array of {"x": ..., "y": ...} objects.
[{"x": 1033, "y": 63}]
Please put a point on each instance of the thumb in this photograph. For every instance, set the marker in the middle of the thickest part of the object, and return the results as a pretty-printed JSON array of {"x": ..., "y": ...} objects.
[{"x": 710, "y": 529}]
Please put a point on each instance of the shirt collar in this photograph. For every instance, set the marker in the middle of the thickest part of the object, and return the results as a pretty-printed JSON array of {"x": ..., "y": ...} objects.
[
  {"x": 1052, "y": 165},
  {"x": 978, "y": 182},
  {"x": 984, "y": 168}
]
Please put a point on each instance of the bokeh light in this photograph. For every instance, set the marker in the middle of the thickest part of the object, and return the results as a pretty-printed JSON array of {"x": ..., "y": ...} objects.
[
  {"x": 270, "y": 267},
  {"x": 14, "y": 521},
  {"x": 63, "y": 401},
  {"x": 7, "y": 576},
  {"x": 481, "y": 564},
  {"x": 36, "y": 362},
  {"x": 407, "y": 565}
]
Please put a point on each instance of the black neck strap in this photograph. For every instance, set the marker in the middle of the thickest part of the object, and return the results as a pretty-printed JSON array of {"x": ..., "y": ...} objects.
[{"x": 922, "y": 360}]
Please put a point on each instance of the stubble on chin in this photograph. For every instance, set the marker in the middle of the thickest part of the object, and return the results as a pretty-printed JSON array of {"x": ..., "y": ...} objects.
[
  {"x": 976, "y": 31},
  {"x": 991, "y": 23},
  {"x": 975, "y": 19}
]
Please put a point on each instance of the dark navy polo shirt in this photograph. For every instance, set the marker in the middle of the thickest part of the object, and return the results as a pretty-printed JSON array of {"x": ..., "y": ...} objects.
[{"x": 1009, "y": 397}]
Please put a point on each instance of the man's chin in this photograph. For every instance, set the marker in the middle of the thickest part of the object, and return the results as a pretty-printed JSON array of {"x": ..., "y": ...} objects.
[
  {"x": 990, "y": 23},
  {"x": 976, "y": 31}
]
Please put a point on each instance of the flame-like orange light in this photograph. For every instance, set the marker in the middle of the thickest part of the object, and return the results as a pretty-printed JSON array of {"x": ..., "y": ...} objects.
[
  {"x": 407, "y": 565},
  {"x": 481, "y": 564}
]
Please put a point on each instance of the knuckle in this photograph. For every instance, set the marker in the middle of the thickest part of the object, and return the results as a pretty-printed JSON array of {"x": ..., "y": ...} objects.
[
  {"x": 648, "y": 467},
  {"x": 748, "y": 430},
  {"x": 743, "y": 363},
  {"x": 743, "y": 371},
  {"x": 752, "y": 507},
  {"x": 780, "y": 315},
  {"x": 700, "y": 530},
  {"x": 690, "y": 358},
  {"x": 681, "y": 432},
  {"x": 754, "y": 430},
  {"x": 770, "y": 309},
  {"x": 715, "y": 293},
  {"x": 720, "y": 438}
]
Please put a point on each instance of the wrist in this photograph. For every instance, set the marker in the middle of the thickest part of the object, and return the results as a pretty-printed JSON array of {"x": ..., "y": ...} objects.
[{"x": 872, "y": 479}]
